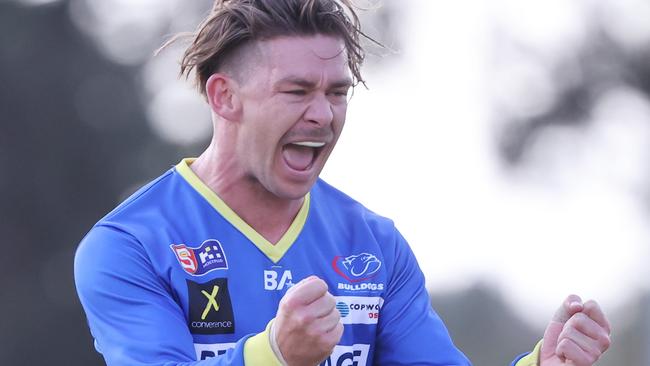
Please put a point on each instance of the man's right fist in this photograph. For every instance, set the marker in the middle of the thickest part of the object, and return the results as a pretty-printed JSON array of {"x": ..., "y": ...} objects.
[{"x": 307, "y": 325}]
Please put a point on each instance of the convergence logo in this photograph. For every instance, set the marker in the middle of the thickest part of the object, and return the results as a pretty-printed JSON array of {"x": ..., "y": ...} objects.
[{"x": 210, "y": 307}]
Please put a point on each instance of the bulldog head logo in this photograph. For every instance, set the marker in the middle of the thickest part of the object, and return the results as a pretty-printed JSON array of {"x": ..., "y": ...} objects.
[{"x": 356, "y": 268}]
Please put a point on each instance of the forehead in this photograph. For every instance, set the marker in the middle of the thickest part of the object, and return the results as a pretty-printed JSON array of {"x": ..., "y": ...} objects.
[{"x": 313, "y": 57}]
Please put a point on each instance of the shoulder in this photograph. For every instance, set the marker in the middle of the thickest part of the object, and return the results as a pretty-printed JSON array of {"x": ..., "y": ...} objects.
[
  {"x": 148, "y": 194},
  {"x": 164, "y": 199},
  {"x": 337, "y": 204},
  {"x": 115, "y": 247},
  {"x": 122, "y": 231}
]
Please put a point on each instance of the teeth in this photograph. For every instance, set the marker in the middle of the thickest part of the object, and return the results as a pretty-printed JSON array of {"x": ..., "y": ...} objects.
[{"x": 309, "y": 144}]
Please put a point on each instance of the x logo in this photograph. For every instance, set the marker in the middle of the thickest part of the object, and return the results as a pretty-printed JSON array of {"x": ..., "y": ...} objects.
[{"x": 212, "y": 301}]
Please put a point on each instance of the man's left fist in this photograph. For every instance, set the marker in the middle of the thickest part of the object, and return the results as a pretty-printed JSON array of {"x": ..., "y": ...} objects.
[{"x": 577, "y": 335}]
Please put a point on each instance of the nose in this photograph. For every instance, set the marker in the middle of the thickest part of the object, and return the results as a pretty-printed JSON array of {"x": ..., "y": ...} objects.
[{"x": 320, "y": 111}]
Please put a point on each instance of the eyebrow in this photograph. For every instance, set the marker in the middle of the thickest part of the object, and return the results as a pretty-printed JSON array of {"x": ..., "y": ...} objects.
[{"x": 299, "y": 81}]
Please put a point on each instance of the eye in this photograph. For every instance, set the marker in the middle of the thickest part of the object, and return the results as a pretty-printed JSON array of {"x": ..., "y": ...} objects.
[
  {"x": 339, "y": 94},
  {"x": 296, "y": 92}
]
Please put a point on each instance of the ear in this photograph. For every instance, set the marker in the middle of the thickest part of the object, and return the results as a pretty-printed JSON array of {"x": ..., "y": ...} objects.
[{"x": 222, "y": 97}]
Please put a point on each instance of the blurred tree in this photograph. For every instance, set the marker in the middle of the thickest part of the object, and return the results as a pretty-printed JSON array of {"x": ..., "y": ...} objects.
[
  {"x": 580, "y": 79},
  {"x": 483, "y": 326},
  {"x": 72, "y": 126}
]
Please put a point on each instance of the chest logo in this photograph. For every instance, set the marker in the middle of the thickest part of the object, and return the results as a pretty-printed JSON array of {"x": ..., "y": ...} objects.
[
  {"x": 200, "y": 260},
  {"x": 356, "y": 268},
  {"x": 212, "y": 301},
  {"x": 273, "y": 281},
  {"x": 210, "y": 307}
]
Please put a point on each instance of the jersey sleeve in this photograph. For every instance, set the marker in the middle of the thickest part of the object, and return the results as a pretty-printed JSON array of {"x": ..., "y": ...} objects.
[
  {"x": 528, "y": 359},
  {"x": 131, "y": 312},
  {"x": 410, "y": 332}
]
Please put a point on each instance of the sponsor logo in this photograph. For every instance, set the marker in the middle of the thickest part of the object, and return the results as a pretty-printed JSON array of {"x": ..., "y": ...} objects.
[
  {"x": 273, "y": 281},
  {"x": 359, "y": 309},
  {"x": 356, "y": 268},
  {"x": 210, "y": 307},
  {"x": 198, "y": 261},
  {"x": 354, "y": 355},
  {"x": 361, "y": 286},
  {"x": 205, "y": 351},
  {"x": 343, "y": 308}
]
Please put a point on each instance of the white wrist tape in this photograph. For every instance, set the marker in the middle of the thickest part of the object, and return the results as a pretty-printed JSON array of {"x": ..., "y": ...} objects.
[{"x": 274, "y": 345}]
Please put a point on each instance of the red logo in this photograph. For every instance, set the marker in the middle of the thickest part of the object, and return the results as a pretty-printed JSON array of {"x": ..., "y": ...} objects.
[
  {"x": 356, "y": 268},
  {"x": 186, "y": 258},
  {"x": 197, "y": 261}
]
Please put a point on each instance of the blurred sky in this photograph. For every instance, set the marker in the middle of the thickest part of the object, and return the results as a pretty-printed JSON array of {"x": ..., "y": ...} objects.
[{"x": 419, "y": 145}]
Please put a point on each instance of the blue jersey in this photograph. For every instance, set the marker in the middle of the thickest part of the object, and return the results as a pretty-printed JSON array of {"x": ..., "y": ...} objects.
[{"x": 173, "y": 276}]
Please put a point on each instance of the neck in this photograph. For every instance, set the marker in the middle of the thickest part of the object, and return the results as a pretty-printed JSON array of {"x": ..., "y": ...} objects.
[{"x": 269, "y": 215}]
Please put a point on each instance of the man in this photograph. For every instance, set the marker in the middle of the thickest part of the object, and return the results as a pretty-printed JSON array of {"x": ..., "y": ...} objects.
[{"x": 243, "y": 256}]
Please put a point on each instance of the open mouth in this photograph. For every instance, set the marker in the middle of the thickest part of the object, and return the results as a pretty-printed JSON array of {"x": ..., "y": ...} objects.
[{"x": 301, "y": 155}]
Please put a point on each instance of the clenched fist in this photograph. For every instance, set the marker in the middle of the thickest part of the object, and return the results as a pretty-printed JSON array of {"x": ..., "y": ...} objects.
[
  {"x": 307, "y": 325},
  {"x": 577, "y": 335}
]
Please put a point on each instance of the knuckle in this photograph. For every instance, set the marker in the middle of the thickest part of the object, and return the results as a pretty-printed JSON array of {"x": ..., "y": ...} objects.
[
  {"x": 335, "y": 314},
  {"x": 572, "y": 298},
  {"x": 312, "y": 333},
  {"x": 578, "y": 320},
  {"x": 330, "y": 300},
  {"x": 283, "y": 307},
  {"x": 338, "y": 332},
  {"x": 333, "y": 337},
  {"x": 592, "y": 358},
  {"x": 562, "y": 346},
  {"x": 581, "y": 317},
  {"x": 591, "y": 305},
  {"x": 567, "y": 332},
  {"x": 326, "y": 342},
  {"x": 302, "y": 319},
  {"x": 604, "y": 342},
  {"x": 320, "y": 284},
  {"x": 287, "y": 305}
]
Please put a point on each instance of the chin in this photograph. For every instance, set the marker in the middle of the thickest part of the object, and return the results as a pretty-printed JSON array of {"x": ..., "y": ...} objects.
[{"x": 294, "y": 191}]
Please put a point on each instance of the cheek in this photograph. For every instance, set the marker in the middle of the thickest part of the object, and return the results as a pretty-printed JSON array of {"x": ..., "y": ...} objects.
[
  {"x": 265, "y": 141},
  {"x": 339, "y": 118}
]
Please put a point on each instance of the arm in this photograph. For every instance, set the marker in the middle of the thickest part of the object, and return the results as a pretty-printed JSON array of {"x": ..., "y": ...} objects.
[
  {"x": 410, "y": 332},
  {"x": 132, "y": 313}
]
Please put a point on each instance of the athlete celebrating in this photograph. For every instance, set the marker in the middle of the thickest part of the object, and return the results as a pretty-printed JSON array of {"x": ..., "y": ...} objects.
[{"x": 243, "y": 255}]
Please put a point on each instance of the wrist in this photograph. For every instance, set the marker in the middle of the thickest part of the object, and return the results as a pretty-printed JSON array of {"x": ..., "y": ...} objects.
[{"x": 274, "y": 344}]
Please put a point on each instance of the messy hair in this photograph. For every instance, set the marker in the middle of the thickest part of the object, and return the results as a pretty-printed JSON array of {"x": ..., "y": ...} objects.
[{"x": 233, "y": 23}]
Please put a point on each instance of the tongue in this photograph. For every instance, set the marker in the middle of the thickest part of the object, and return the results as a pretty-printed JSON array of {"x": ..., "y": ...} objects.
[{"x": 298, "y": 157}]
